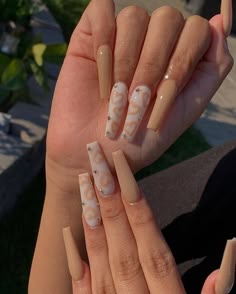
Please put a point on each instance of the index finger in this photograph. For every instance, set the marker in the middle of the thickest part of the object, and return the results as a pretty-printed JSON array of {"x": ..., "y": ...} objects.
[
  {"x": 93, "y": 39},
  {"x": 156, "y": 259}
]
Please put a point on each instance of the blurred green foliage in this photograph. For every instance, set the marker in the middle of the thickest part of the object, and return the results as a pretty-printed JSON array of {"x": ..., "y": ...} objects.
[
  {"x": 30, "y": 56},
  {"x": 67, "y": 13}
]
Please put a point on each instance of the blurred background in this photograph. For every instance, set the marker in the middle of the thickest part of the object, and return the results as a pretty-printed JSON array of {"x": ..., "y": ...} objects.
[{"x": 33, "y": 41}]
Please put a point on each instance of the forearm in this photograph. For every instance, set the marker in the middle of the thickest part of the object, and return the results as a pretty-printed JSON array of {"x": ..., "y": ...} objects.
[{"x": 49, "y": 273}]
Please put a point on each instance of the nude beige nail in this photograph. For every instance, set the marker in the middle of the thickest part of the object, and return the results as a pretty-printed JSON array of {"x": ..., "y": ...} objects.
[
  {"x": 226, "y": 276},
  {"x": 227, "y": 15},
  {"x": 129, "y": 188},
  {"x": 165, "y": 98},
  {"x": 74, "y": 260},
  {"x": 104, "y": 64}
]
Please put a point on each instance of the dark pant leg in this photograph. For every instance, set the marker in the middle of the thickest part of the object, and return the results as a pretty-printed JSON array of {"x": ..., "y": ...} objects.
[{"x": 204, "y": 231}]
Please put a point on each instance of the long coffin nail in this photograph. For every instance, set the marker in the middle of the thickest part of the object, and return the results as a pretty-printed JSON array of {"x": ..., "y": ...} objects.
[
  {"x": 138, "y": 105},
  {"x": 74, "y": 260},
  {"x": 165, "y": 98},
  {"x": 89, "y": 201},
  {"x": 118, "y": 101},
  {"x": 103, "y": 178},
  {"x": 104, "y": 64},
  {"x": 226, "y": 276},
  {"x": 227, "y": 15},
  {"x": 128, "y": 185}
]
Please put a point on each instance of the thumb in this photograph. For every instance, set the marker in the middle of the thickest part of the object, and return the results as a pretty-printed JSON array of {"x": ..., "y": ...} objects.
[
  {"x": 95, "y": 28},
  {"x": 209, "y": 285}
]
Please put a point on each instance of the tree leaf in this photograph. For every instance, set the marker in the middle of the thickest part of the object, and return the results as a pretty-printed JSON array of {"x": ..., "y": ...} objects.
[
  {"x": 55, "y": 53},
  {"x": 4, "y": 61},
  {"x": 40, "y": 75},
  {"x": 38, "y": 51},
  {"x": 14, "y": 76}
]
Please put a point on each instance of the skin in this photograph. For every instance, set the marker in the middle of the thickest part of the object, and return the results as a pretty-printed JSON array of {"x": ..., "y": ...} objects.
[
  {"x": 136, "y": 259},
  {"x": 78, "y": 116}
]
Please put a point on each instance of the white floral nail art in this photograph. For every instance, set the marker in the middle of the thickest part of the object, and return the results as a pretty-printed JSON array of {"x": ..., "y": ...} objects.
[
  {"x": 118, "y": 101},
  {"x": 103, "y": 178},
  {"x": 89, "y": 201},
  {"x": 138, "y": 105}
]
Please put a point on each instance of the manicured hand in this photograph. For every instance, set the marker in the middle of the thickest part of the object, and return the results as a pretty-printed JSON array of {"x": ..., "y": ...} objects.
[
  {"x": 182, "y": 63},
  {"x": 127, "y": 252}
]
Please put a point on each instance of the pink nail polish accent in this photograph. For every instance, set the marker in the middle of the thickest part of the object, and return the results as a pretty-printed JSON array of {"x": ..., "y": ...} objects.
[
  {"x": 138, "y": 105},
  {"x": 103, "y": 178},
  {"x": 118, "y": 101},
  {"x": 89, "y": 201}
]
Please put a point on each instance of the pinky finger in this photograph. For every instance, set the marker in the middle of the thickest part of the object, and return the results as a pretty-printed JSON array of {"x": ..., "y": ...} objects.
[
  {"x": 209, "y": 285},
  {"x": 79, "y": 270}
]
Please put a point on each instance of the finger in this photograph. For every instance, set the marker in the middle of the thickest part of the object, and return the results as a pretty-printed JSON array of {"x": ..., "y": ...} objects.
[
  {"x": 227, "y": 15},
  {"x": 192, "y": 45},
  {"x": 156, "y": 258},
  {"x": 123, "y": 257},
  {"x": 132, "y": 23},
  {"x": 79, "y": 271},
  {"x": 163, "y": 31},
  {"x": 95, "y": 238},
  {"x": 226, "y": 275},
  {"x": 205, "y": 81},
  {"x": 93, "y": 39},
  {"x": 209, "y": 285}
]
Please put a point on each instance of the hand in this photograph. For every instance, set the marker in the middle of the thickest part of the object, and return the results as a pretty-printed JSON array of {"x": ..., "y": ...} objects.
[
  {"x": 142, "y": 49},
  {"x": 127, "y": 252}
]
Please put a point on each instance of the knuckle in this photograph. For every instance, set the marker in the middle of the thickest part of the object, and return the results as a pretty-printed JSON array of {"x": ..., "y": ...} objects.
[
  {"x": 125, "y": 62},
  {"x": 105, "y": 289},
  {"x": 127, "y": 266},
  {"x": 112, "y": 212},
  {"x": 182, "y": 63},
  {"x": 133, "y": 11},
  {"x": 143, "y": 219},
  {"x": 96, "y": 246},
  {"x": 169, "y": 12},
  {"x": 199, "y": 21},
  {"x": 153, "y": 66},
  {"x": 159, "y": 263}
]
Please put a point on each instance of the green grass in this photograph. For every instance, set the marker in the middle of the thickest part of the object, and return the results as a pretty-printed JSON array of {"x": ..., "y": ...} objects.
[{"x": 191, "y": 143}]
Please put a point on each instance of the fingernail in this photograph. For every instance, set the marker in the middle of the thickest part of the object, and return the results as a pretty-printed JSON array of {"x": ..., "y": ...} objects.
[
  {"x": 103, "y": 178},
  {"x": 129, "y": 188},
  {"x": 90, "y": 205},
  {"x": 138, "y": 105},
  {"x": 227, "y": 16},
  {"x": 226, "y": 276},
  {"x": 104, "y": 64},
  {"x": 74, "y": 260},
  {"x": 118, "y": 101},
  {"x": 165, "y": 98}
]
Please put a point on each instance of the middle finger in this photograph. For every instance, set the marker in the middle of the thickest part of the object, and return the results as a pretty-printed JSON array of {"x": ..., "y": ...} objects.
[{"x": 163, "y": 31}]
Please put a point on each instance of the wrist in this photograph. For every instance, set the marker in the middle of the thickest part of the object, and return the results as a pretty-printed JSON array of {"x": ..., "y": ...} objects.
[{"x": 61, "y": 180}]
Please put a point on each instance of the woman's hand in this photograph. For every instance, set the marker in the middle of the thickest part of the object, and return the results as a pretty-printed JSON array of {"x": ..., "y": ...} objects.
[
  {"x": 192, "y": 55},
  {"x": 126, "y": 250}
]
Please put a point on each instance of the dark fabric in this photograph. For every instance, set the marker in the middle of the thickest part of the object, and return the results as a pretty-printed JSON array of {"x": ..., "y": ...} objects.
[{"x": 204, "y": 231}]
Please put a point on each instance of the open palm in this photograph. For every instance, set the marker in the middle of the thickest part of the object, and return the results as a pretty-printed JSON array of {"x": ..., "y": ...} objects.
[{"x": 79, "y": 115}]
